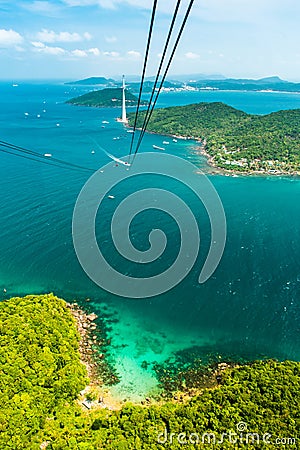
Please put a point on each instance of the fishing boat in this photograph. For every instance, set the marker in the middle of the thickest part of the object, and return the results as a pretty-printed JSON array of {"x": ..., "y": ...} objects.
[{"x": 158, "y": 148}]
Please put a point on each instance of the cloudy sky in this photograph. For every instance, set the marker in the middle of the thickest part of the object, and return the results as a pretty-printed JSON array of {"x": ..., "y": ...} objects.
[{"x": 71, "y": 39}]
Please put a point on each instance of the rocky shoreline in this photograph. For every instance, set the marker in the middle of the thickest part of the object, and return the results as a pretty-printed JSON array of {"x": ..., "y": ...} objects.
[{"x": 86, "y": 327}]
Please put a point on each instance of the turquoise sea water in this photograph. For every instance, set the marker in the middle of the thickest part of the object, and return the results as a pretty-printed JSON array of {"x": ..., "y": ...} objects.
[{"x": 249, "y": 308}]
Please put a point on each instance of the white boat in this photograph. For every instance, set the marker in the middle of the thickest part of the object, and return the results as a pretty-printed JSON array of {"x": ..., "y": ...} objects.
[
  {"x": 166, "y": 142},
  {"x": 48, "y": 155},
  {"x": 15, "y": 85},
  {"x": 174, "y": 140},
  {"x": 58, "y": 124},
  {"x": 130, "y": 131},
  {"x": 104, "y": 121},
  {"x": 158, "y": 148},
  {"x": 93, "y": 151},
  {"x": 111, "y": 196}
]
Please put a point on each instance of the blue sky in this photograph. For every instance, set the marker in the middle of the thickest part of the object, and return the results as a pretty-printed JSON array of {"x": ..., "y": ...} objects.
[{"x": 72, "y": 39}]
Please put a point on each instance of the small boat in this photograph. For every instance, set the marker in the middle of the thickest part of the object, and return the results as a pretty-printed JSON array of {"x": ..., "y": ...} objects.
[
  {"x": 38, "y": 116},
  {"x": 166, "y": 142},
  {"x": 104, "y": 121},
  {"x": 174, "y": 140},
  {"x": 158, "y": 148},
  {"x": 116, "y": 138},
  {"x": 15, "y": 85},
  {"x": 26, "y": 114},
  {"x": 111, "y": 196},
  {"x": 92, "y": 152},
  {"x": 58, "y": 124},
  {"x": 48, "y": 155},
  {"x": 130, "y": 131}
]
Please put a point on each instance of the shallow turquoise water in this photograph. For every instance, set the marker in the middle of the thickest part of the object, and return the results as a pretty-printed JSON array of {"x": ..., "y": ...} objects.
[{"x": 249, "y": 308}]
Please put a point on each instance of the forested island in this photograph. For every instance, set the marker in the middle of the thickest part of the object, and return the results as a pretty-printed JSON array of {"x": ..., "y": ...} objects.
[
  {"x": 42, "y": 375},
  {"x": 233, "y": 139},
  {"x": 104, "y": 98},
  {"x": 200, "y": 82},
  {"x": 93, "y": 81}
]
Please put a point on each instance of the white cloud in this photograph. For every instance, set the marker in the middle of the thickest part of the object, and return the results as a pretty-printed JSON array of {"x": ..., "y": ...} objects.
[
  {"x": 94, "y": 51},
  {"x": 42, "y": 48},
  {"x": 9, "y": 38},
  {"x": 112, "y": 54},
  {"x": 207, "y": 10},
  {"x": 87, "y": 36},
  {"x": 166, "y": 5},
  {"x": 79, "y": 53},
  {"x": 41, "y": 7},
  {"x": 108, "y": 4},
  {"x": 110, "y": 39},
  {"x": 50, "y": 36},
  {"x": 191, "y": 55},
  {"x": 133, "y": 54}
]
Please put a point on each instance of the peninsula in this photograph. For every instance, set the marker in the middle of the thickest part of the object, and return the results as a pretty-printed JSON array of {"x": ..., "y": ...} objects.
[
  {"x": 232, "y": 139},
  {"x": 105, "y": 98}
]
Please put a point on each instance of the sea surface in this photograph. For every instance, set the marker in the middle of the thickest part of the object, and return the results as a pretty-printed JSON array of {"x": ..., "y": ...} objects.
[{"x": 249, "y": 308}]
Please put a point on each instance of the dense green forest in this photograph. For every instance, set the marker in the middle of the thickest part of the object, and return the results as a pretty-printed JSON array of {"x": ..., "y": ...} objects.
[
  {"x": 233, "y": 139},
  {"x": 40, "y": 366},
  {"x": 41, "y": 376},
  {"x": 109, "y": 97}
]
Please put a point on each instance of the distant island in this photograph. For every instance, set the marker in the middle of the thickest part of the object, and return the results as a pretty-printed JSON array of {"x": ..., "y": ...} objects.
[
  {"x": 233, "y": 139},
  {"x": 268, "y": 84},
  {"x": 93, "y": 81},
  {"x": 105, "y": 98},
  {"x": 198, "y": 82}
]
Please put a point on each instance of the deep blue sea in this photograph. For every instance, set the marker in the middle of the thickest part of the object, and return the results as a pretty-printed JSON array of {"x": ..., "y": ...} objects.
[{"x": 249, "y": 308}]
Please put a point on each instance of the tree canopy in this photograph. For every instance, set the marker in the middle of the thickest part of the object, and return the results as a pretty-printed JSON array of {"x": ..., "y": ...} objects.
[
  {"x": 41, "y": 376},
  {"x": 234, "y": 139}
]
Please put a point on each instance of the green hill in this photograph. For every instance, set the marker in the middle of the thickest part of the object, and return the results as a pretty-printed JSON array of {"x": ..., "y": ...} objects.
[
  {"x": 91, "y": 81},
  {"x": 105, "y": 98},
  {"x": 234, "y": 139}
]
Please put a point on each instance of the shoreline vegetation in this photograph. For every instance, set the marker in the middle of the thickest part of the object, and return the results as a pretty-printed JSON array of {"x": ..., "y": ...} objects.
[
  {"x": 47, "y": 401},
  {"x": 233, "y": 141}
]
